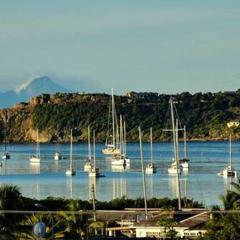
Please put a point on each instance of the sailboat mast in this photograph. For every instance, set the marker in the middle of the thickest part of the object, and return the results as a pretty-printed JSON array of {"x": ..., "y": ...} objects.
[
  {"x": 94, "y": 155},
  {"x": 71, "y": 140},
  {"x": 174, "y": 130},
  {"x": 89, "y": 144},
  {"x": 185, "y": 142},
  {"x": 143, "y": 173},
  {"x": 38, "y": 149},
  {"x": 230, "y": 149},
  {"x": 177, "y": 163},
  {"x": 113, "y": 120},
  {"x": 151, "y": 145},
  {"x": 121, "y": 136},
  {"x": 125, "y": 138}
]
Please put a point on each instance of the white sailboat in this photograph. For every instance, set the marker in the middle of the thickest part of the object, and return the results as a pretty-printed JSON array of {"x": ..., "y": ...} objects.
[
  {"x": 36, "y": 158},
  {"x": 58, "y": 156},
  {"x": 229, "y": 171},
  {"x": 94, "y": 171},
  {"x": 184, "y": 162},
  {"x": 70, "y": 171},
  {"x": 150, "y": 168},
  {"x": 175, "y": 167},
  {"x": 121, "y": 159},
  {"x": 111, "y": 147},
  {"x": 5, "y": 155},
  {"x": 88, "y": 163}
]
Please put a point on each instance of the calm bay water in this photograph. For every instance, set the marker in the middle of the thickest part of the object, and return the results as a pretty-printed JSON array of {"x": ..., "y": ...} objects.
[{"x": 48, "y": 179}]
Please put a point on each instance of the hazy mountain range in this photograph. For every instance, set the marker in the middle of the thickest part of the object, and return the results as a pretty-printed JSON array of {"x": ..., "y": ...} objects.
[{"x": 35, "y": 87}]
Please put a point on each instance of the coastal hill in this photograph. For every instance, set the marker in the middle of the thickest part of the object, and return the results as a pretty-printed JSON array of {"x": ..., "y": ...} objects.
[{"x": 205, "y": 115}]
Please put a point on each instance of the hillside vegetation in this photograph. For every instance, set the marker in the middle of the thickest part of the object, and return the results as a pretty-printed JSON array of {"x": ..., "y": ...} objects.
[{"x": 205, "y": 115}]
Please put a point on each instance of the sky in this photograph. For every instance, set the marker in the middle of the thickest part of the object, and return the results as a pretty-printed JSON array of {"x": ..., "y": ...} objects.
[{"x": 164, "y": 46}]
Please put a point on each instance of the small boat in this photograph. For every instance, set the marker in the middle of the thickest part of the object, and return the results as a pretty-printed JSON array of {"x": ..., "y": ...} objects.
[
  {"x": 58, "y": 156},
  {"x": 184, "y": 163},
  {"x": 94, "y": 171},
  {"x": 229, "y": 171},
  {"x": 121, "y": 159},
  {"x": 175, "y": 167},
  {"x": 36, "y": 158},
  {"x": 111, "y": 148},
  {"x": 6, "y": 156},
  {"x": 174, "y": 170},
  {"x": 70, "y": 171},
  {"x": 150, "y": 168},
  {"x": 88, "y": 163}
]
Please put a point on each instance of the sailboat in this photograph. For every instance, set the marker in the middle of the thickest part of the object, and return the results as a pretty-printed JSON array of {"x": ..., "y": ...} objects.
[
  {"x": 36, "y": 158},
  {"x": 175, "y": 167},
  {"x": 88, "y": 163},
  {"x": 70, "y": 171},
  {"x": 121, "y": 159},
  {"x": 5, "y": 155},
  {"x": 184, "y": 162},
  {"x": 111, "y": 148},
  {"x": 150, "y": 168},
  {"x": 94, "y": 171},
  {"x": 58, "y": 155},
  {"x": 229, "y": 171}
]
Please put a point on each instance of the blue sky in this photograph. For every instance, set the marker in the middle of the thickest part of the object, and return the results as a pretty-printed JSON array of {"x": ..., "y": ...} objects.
[{"x": 165, "y": 46}]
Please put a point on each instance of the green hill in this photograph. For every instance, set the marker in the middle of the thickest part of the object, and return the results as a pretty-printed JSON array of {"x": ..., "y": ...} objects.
[{"x": 204, "y": 114}]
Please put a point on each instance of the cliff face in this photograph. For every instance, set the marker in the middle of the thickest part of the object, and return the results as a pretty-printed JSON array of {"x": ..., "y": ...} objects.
[{"x": 205, "y": 115}]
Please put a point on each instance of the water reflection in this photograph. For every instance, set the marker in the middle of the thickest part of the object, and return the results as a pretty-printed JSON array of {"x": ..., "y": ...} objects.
[
  {"x": 55, "y": 166},
  {"x": 3, "y": 168},
  {"x": 34, "y": 168},
  {"x": 183, "y": 186},
  {"x": 70, "y": 186},
  {"x": 149, "y": 186},
  {"x": 92, "y": 188},
  {"x": 227, "y": 182},
  {"x": 119, "y": 187}
]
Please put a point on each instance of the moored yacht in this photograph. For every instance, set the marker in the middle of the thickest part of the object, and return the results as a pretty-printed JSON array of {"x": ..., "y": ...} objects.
[
  {"x": 111, "y": 147},
  {"x": 94, "y": 171},
  {"x": 70, "y": 171},
  {"x": 58, "y": 156},
  {"x": 36, "y": 158},
  {"x": 229, "y": 171},
  {"x": 88, "y": 165},
  {"x": 150, "y": 168}
]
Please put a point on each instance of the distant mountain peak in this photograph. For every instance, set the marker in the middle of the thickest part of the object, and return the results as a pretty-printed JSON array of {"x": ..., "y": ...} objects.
[
  {"x": 42, "y": 84},
  {"x": 32, "y": 88}
]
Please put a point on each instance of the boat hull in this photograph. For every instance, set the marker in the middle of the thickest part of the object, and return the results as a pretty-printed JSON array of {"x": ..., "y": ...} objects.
[
  {"x": 111, "y": 151},
  {"x": 34, "y": 159}
]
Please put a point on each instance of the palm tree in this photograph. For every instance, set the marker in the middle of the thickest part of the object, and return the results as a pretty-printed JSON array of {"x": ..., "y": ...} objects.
[
  {"x": 10, "y": 199},
  {"x": 232, "y": 199},
  {"x": 73, "y": 225},
  {"x": 29, "y": 222}
]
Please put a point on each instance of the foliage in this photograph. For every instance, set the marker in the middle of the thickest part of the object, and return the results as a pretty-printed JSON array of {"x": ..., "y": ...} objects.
[
  {"x": 204, "y": 114},
  {"x": 226, "y": 225}
]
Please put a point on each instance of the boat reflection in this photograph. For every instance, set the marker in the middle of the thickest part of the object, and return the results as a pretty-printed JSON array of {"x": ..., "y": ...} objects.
[
  {"x": 92, "y": 187},
  {"x": 70, "y": 187},
  {"x": 119, "y": 187},
  {"x": 34, "y": 168}
]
